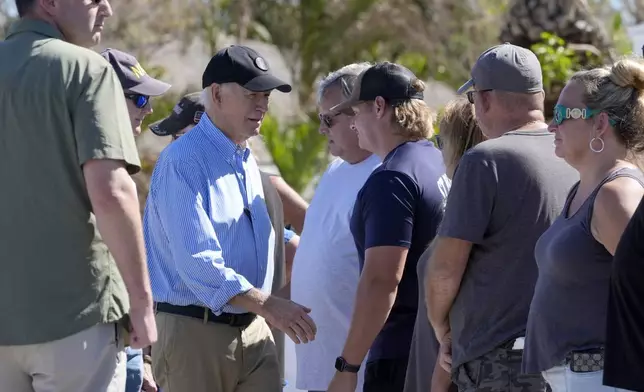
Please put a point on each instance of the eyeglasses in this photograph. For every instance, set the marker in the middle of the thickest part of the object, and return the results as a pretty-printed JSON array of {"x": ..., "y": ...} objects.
[
  {"x": 470, "y": 94},
  {"x": 563, "y": 113},
  {"x": 139, "y": 100}
]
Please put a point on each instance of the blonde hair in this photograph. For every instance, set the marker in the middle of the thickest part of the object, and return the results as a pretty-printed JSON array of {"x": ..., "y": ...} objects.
[
  {"x": 617, "y": 91},
  {"x": 414, "y": 118},
  {"x": 458, "y": 129}
]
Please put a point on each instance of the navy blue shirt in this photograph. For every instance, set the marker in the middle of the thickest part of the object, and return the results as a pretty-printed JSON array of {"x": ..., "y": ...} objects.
[{"x": 401, "y": 204}]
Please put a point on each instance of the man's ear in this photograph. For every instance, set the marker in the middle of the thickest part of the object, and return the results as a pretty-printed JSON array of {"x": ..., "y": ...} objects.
[
  {"x": 485, "y": 100},
  {"x": 51, "y": 7},
  {"x": 379, "y": 106},
  {"x": 216, "y": 95}
]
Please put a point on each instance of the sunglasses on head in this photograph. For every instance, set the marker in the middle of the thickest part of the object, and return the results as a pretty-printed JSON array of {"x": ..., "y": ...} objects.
[{"x": 139, "y": 100}]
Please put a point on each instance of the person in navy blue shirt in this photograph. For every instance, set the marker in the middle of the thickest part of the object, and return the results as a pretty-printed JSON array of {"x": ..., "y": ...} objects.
[{"x": 395, "y": 217}]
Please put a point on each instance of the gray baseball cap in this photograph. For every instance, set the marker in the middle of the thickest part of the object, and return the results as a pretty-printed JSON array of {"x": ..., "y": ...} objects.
[
  {"x": 506, "y": 67},
  {"x": 132, "y": 76}
]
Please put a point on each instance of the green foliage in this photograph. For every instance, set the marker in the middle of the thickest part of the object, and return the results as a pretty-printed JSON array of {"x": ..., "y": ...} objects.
[
  {"x": 311, "y": 34},
  {"x": 557, "y": 60},
  {"x": 438, "y": 40},
  {"x": 617, "y": 31},
  {"x": 416, "y": 62},
  {"x": 297, "y": 149}
]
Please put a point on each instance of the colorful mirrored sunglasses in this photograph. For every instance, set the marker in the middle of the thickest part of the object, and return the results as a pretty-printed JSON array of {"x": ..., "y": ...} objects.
[
  {"x": 563, "y": 113},
  {"x": 139, "y": 100}
]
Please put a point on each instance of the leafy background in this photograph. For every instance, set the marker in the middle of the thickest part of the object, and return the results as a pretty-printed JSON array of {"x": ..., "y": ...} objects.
[{"x": 437, "y": 39}]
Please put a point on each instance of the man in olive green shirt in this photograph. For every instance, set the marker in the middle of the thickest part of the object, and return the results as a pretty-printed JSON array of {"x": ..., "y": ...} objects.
[{"x": 66, "y": 152}]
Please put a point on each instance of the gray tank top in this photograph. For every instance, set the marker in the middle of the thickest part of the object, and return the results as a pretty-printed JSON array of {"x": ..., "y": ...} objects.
[{"x": 568, "y": 309}]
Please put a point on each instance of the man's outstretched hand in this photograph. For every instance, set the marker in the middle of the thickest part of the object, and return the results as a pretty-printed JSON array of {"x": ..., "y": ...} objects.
[{"x": 290, "y": 318}]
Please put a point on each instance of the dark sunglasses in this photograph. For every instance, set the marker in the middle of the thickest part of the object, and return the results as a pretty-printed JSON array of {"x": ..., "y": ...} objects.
[
  {"x": 327, "y": 119},
  {"x": 139, "y": 100}
]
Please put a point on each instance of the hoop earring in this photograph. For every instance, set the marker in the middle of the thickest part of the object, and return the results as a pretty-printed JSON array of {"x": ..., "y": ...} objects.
[{"x": 591, "y": 145}]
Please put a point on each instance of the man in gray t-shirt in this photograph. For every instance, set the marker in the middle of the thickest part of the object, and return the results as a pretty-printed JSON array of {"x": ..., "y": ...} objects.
[{"x": 505, "y": 193}]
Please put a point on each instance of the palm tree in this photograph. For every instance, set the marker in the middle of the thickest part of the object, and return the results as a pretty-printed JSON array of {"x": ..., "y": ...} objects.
[{"x": 570, "y": 20}]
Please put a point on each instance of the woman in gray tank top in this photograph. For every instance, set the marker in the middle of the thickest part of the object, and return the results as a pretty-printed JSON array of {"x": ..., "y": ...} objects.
[
  {"x": 458, "y": 133},
  {"x": 599, "y": 128}
]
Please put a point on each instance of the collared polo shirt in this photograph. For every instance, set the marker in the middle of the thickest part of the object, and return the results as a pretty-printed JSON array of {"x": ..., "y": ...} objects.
[{"x": 60, "y": 106}]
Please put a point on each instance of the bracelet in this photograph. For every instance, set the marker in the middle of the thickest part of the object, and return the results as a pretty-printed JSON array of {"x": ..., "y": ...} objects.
[{"x": 147, "y": 359}]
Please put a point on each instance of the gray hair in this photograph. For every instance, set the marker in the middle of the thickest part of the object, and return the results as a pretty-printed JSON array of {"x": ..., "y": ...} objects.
[
  {"x": 206, "y": 98},
  {"x": 346, "y": 75}
]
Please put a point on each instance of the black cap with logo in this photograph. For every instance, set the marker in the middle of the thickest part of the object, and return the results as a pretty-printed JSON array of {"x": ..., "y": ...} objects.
[
  {"x": 391, "y": 81},
  {"x": 187, "y": 112},
  {"x": 244, "y": 66},
  {"x": 132, "y": 76}
]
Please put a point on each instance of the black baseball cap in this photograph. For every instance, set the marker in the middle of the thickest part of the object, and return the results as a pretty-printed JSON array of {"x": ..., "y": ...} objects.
[
  {"x": 132, "y": 76},
  {"x": 391, "y": 81},
  {"x": 244, "y": 66},
  {"x": 187, "y": 111}
]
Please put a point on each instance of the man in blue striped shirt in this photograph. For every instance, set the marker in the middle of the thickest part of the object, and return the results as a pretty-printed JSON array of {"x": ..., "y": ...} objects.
[
  {"x": 210, "y": 243},
  {"x": 184, "y": 117}
]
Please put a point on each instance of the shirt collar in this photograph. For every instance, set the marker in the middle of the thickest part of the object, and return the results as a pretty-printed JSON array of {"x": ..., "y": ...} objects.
[
  {"x": 36, "y": 26},
  {"x": 225, "y": 146}
]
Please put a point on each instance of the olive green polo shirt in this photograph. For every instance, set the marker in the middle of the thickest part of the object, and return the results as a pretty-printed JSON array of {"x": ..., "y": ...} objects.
[{"x": 60, "y": 106}]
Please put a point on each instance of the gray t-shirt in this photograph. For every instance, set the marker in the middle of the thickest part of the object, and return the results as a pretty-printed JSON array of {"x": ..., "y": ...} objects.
[{"x": 505, "y": 193}]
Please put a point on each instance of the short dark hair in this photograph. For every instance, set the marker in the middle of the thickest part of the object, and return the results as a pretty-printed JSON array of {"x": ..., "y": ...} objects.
[{"x": 24, "y": 6}]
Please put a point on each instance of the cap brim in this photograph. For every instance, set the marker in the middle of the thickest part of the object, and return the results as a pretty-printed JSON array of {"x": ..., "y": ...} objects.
[
  {"x": 168, "y": 126},
  {"x": 267, "y": 82},
  {"x": 468, "y": 85},
  {"x": 151, "y": 87}
]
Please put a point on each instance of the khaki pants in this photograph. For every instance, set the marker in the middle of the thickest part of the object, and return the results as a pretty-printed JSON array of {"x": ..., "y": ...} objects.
[
  {"x": 194, "y": 356},
  {"x": 92, "y": 360}
]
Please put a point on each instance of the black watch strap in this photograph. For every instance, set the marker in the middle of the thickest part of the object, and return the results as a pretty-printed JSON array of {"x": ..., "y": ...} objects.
[{"x": 341, "y": 365}]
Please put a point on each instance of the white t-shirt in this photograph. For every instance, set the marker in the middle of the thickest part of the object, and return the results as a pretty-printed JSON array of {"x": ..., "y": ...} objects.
[{"x": 326, "y": 271}]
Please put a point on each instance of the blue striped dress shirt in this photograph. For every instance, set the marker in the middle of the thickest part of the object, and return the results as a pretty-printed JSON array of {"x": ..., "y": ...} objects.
[{"x": 208, "y": 235}]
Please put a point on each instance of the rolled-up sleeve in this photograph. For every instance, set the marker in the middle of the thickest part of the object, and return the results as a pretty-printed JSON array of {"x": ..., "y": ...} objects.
[{"x": 193, "y": 242}]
